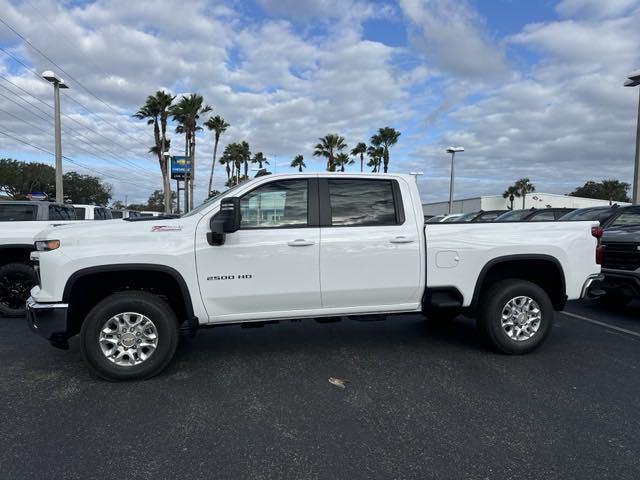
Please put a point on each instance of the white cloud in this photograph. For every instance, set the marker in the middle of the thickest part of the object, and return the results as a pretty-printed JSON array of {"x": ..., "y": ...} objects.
[
  {"x": 594, "y": 8},
  {"x": 453, "y": 38}
]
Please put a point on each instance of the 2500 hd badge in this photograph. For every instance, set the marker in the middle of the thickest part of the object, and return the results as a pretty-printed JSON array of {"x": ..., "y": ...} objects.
[{"x": 230, "y": 277}]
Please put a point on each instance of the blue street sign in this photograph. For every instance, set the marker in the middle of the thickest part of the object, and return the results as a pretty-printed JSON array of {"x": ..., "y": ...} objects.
[{"x": 180, "y": 166}]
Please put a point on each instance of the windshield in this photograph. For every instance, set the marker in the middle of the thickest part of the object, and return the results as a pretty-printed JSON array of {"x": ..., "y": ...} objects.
[
  {"x": 513, "y": 216},
  {"x": 208, "y": 201},
  {"x": 627, "y": 219}
]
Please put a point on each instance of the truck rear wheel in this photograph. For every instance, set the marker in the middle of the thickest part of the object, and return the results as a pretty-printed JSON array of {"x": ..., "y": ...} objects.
[
  {"x": 129, "y": 336},
  {"x": 16, "y": 281},
  {"x": 515, "y": 316}
]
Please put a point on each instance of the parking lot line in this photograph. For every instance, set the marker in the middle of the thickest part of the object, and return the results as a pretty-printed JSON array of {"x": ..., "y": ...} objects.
[{"x": 602, "y": 324}]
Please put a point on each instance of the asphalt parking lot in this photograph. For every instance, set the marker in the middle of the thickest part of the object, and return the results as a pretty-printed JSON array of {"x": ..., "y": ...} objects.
[{"x": 422, "y": 401}]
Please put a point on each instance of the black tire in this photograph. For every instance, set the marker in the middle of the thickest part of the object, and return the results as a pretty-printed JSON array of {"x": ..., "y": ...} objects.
[
  {"x": 495, "y": 300},
  {"x": 147, "y": 304},
  {"x": 16, "y": 281}
]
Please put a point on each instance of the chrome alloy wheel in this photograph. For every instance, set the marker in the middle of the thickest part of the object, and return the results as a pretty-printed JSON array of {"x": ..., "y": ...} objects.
[
  {"x": 128, "y": 339},
  {"x": 521, "y": 318}
]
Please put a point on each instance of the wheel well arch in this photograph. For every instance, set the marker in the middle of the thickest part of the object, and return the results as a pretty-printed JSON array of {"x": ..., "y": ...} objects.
[
  {"x": 543, "y": 270},
  {"x": 86, "y": 287},
  {"x": 15, "y": 253}
]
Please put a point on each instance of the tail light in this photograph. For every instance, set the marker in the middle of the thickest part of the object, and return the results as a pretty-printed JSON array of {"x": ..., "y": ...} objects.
[{"x": 597, "y": 233}]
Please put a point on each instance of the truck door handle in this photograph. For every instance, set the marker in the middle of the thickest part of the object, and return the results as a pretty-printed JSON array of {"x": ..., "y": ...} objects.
[
  {"x": 300, "y": 242},
  {"x": 401, "y": 239}
]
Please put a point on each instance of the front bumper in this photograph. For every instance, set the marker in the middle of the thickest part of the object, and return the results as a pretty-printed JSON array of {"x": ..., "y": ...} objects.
[{"x": 49, "y": 320}]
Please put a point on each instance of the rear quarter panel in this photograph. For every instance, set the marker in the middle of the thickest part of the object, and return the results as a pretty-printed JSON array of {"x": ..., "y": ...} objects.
[{"x": 475, "y": 245}]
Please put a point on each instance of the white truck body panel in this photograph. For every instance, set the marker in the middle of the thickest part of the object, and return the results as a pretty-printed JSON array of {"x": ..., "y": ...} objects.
[{"x": 457, "y": 252}]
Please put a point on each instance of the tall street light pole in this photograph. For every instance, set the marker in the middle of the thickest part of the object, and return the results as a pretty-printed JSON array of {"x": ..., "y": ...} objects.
[
  {"x": 452, "y": 151},
  {"x": 633, "y": 80},
  {"x": 57, "y": 83}
]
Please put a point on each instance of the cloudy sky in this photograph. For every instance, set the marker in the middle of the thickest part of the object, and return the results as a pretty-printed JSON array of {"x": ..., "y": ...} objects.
[{"x": 529, "y": 88}]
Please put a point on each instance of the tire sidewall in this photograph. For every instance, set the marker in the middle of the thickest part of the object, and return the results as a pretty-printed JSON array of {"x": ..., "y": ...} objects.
[
  {"x": 158, "y": 311},
  {"x": 499, "y": 295},
  {"x": 25, "y": 269}
]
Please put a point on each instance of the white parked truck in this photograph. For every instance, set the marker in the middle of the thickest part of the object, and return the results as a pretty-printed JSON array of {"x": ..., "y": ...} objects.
[
  {"x": 293, "y": 246},
  {"x": 20, "y": 222}
]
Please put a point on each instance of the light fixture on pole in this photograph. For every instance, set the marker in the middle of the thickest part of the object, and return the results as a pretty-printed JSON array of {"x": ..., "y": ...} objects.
[
  {"x": 452, "y": 151},
  {"x": 633, "y": 80},
  {"x": 57, "y": 83},
  {"x": 415, "y": 175}
]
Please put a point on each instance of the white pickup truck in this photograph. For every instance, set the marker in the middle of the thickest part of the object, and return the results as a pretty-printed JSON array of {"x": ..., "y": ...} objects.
[
  {"x": 294, "y": 246},
  {"x": 20, "y": 222}
]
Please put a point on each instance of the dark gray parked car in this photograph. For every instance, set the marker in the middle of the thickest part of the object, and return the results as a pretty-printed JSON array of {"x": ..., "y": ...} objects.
[{"x": 621, "y": 257}]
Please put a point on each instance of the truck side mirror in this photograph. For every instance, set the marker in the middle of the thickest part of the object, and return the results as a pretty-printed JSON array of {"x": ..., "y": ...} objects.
[{"x": 227, "y": 220}]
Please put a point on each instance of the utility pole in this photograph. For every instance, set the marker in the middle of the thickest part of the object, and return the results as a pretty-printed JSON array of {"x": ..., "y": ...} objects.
[
  {"x": 633, "y": 80},
  {"x": 57, "y": 83},
  {"x": 452, "y": 151}
]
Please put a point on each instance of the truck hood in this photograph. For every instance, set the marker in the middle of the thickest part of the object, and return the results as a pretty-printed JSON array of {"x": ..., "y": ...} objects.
[{"x": 114, "y": 230}]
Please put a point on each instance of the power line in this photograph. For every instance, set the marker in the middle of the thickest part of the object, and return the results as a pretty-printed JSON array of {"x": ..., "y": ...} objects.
[
  {"x": 22, "y": 106},
  {"x": 58, "y": 66},
  {"x": 87, "y": 140},
  {"x": 34, "y": 73},
  {"x": 71, "y": 160}
]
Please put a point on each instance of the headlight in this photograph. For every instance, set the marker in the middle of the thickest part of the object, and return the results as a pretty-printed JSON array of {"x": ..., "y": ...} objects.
[{"x": 46, "y": 245}]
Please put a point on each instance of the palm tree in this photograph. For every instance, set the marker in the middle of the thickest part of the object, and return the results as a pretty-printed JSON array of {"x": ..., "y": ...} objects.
[
  {"x": 187, "y": 113},
  {"x": 227, "y": 160},
  {"x": 298, "y": 162},
  {"x": 360, "y": 149},
  {"x": 259, "y": 158},
  {"x": 218, "y": 126},
  {"x": 245, "y": 156},
  {"x": 343, "y": 159},
  {"x": 156, "y": 111},
  {"x": 511, "y": 193},
  {"x": 375, "y": 155},
  {"x": 524, "y": 186},
  {"x": 385, "y": 138},
  {"x": 328, "y": 147}
]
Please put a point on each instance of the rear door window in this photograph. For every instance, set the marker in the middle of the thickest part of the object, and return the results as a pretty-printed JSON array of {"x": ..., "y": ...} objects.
[
  {"x": 18, "y": 212},
  {"x": 362, "y": 203}
]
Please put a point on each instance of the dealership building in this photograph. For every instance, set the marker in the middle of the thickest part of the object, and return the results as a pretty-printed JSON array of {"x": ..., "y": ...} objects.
[{"x": 496, "y": 202}]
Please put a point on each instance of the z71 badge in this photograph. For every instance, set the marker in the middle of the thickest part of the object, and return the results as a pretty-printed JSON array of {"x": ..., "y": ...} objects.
[{"x": 230, "y": 277}]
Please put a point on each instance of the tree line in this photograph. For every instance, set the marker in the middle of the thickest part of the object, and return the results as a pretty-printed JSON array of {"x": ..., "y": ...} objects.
[
  {"x": 18, "y": 179},
  {"x": 609, "y": 189}
]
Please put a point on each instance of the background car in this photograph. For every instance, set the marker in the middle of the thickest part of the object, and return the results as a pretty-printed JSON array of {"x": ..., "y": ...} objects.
[
  {"x": 451, "y": 217},
  {"x": 601, "y": 214},
  {"x": 534, "y": 215},
  {"x": 621, "y": 257},
  {"x": 480, "y": 216}
]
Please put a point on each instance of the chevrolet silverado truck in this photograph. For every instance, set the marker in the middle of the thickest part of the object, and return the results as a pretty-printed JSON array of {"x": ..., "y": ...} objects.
[
  {"x": 20, "y": 222},
  {"x": 294, "y": 246}
]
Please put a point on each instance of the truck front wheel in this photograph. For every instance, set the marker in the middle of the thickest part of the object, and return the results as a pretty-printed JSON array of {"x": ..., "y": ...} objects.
[
  {"x": 515, "y": 316},
  {"x": 16, "y": 281},
  {"x": 129, "y": 336}
]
